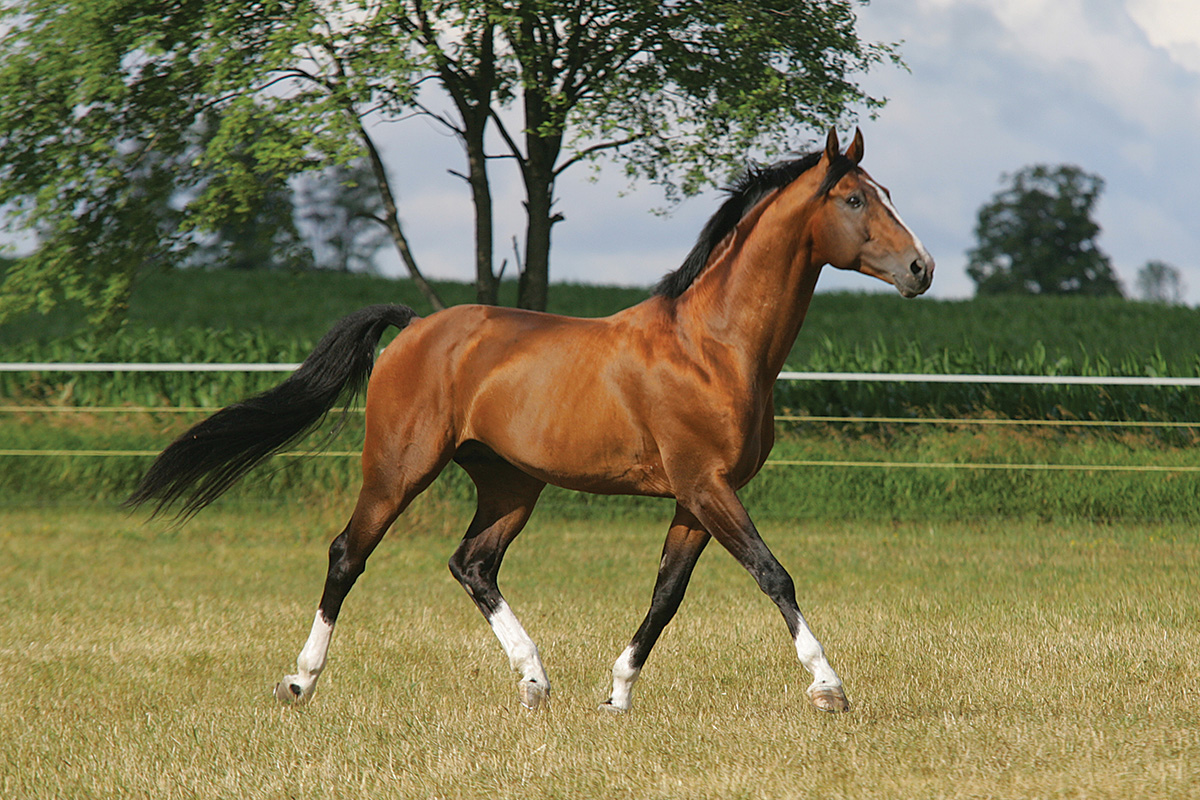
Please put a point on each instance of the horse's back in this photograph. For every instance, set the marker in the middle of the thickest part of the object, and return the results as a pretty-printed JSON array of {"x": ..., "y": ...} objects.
[{"x": 563, "y": 398}]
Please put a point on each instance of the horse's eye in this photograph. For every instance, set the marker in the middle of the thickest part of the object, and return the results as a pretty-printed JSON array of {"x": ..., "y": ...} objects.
[{"x": 855, "y": 201}]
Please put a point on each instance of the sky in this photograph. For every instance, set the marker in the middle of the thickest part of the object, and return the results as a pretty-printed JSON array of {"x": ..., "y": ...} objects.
[{"x": 991, "y": 86}]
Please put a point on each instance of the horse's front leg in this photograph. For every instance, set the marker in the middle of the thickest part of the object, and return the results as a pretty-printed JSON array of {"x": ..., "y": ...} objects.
[
  {"x": 723, "y": 515},
  {"x": 685, "y": 542}
]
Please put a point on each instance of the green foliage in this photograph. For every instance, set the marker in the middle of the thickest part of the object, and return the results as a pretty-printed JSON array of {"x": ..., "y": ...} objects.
[
  {"x": 104, "y": 147},
  {"x": 256, "y": 235},
  {"x": 792, "y": 491},
  {"x": 1038, "y": 335},
  {"x": 1038, "y": 237},
  {"x": 325, "y": 470},
  {"x": 129, "y": 131},
  {"x": 1017, "y": 401},
  {"x": 343, "y": 208},
  {"x": 683, "y": 92},
  {"x": 677, "y": 92},
  {"x": 1066, "y": 326},
  {"x": 194, "y": 345},
  {"x": 292, "y": 306}
]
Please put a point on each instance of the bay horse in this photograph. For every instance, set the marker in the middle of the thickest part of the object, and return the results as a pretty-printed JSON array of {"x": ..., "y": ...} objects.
[{"x": 669, "y": 398}]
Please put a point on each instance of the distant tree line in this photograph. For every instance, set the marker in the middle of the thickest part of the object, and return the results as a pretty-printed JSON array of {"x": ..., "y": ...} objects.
[{"x": 322, "y": 220}]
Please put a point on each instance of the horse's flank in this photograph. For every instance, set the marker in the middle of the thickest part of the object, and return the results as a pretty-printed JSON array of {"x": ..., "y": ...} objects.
[{"x": 599, "y": 405}]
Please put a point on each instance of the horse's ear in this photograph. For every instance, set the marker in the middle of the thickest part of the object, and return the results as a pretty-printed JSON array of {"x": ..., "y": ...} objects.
[
  {"x": 832, "y": 148},
  {"x": 855, "y": 151}
]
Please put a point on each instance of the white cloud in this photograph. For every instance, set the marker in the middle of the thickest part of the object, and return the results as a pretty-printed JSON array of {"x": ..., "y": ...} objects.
[{"x": 1173, "y": 25}]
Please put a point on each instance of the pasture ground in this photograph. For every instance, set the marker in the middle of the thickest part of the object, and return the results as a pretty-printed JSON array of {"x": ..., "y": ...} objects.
[{"x": 983, "y": 659}]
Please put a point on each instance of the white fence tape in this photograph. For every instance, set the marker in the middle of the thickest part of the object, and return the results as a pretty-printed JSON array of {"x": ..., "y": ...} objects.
[
  {"x": 878, "y": 377},
  {"x": 1048, "y": 380},
  {"x": 116, "y": 366}
]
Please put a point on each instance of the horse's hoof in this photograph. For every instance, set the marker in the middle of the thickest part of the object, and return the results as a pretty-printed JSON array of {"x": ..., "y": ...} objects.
[
  {"x": 608, "y": 706},
  {"x": 534, "y": 695},
  {"x": 290, "y": 692},
  {"x": 829, "y": 698}
]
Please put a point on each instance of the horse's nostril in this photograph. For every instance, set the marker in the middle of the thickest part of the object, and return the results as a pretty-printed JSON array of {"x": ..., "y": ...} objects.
[{"x": 916, "y": 268}]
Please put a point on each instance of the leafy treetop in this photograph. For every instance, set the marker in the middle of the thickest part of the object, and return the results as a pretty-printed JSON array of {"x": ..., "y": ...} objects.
[{"x": 1038, "y": 237}]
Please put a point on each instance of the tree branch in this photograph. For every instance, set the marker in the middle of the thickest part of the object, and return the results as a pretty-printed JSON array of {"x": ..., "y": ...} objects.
[
  {"x": 597, "y": 148},
  {"x": 513, "y": 148}
]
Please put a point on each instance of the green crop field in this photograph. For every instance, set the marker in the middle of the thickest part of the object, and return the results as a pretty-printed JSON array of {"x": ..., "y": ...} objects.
[
  {"x": 991, "y": 659},
  {"x": 1042, "y": 332},
  {"x": 220, "y": 316}
]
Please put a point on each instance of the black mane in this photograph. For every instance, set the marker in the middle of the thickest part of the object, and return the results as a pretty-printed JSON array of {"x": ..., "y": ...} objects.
[{"x": 746, "y": 192}]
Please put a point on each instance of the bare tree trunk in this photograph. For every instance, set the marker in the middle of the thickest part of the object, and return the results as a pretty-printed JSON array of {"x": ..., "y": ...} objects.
[
  {"x": 533, "y": 288},
  {"x": 541, "y": 152},
  {"x": 487, "y": 283}
]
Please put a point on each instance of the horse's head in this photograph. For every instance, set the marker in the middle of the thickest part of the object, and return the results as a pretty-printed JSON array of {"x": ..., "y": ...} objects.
[{"x": 859, "y": 228}]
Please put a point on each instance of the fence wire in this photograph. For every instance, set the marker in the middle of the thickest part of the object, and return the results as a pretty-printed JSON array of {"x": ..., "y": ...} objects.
[{"x": 1058, "y": 380}]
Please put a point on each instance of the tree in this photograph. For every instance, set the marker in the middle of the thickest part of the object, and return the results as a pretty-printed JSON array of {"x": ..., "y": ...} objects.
[
  {"x": 265, "y": 236},
  {"x": 1159, "y": 282},
  {"x": 99, "y": 99},
  {"x": 677, "y": 92},
  {"x": 1038, "y": 236},
  {"x": 105, "y": 146}
]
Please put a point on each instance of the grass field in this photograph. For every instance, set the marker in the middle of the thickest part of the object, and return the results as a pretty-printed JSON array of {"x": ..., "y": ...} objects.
[{"x": 983, "y": 659}]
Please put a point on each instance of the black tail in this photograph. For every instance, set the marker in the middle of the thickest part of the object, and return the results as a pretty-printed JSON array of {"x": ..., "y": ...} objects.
[{"x": 208, "y": 459}]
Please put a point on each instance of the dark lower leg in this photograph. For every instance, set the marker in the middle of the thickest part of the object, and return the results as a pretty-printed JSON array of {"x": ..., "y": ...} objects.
[
  {"x": 685, "y": 542},
  {"x": 348, "y": 555}
]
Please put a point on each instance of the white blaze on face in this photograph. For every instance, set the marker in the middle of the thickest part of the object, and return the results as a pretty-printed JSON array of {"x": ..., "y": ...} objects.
[{"x": 886, "y": 202}]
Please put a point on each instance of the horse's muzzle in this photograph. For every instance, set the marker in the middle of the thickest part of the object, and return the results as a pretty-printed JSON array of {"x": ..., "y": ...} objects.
[{"x": 918, "y": 277}]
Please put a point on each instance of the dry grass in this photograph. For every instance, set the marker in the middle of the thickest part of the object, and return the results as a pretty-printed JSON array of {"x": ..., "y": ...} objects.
[{"x": 984, "y": 660}]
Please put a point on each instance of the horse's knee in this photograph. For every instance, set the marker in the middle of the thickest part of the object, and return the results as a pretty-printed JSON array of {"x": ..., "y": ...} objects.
[{"x": 468, "y": 574}]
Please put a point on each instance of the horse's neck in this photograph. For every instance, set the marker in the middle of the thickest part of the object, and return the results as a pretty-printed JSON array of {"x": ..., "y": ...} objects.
[{"x": 754, "y": 295}]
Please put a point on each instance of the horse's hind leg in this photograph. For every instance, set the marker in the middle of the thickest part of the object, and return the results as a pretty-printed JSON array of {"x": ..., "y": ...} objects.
[
  {"x": 506, "y": 499},
  {"x": 384, "y": 496}
]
